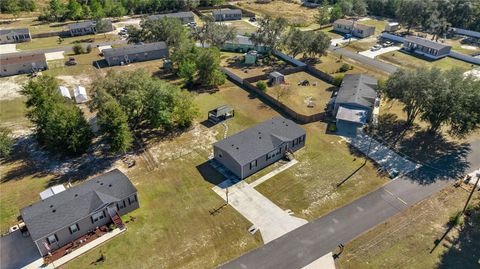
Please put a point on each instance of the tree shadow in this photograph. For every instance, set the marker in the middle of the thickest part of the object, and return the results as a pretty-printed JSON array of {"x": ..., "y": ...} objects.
[{"x": 391, "y": 129}]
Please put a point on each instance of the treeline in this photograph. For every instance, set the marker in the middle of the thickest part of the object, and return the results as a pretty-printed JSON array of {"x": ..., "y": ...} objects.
[
  {"x": 79, "y": 9},
  {"x": 16, "y": 6}
]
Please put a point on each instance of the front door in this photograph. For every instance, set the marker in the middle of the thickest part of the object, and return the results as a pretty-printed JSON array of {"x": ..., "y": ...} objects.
[{"x": 112, "y": 210}]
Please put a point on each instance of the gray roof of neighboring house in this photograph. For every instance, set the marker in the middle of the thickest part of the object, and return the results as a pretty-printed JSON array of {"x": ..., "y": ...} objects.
[
  {"x": 66, "y": 208},
  {"x": 17, "y": 30},
  {"x": 22, "y": 57},
  {"x": 227, "y": 11},
  {"x": 425, "y": 42},
  {"x": 81, "y": 25},
  {"x": 358, "y": 89},
  {"x": 260, "y": 139},
  {"x": 133, "y": 49},
  {"x": 185, "y": 14}
]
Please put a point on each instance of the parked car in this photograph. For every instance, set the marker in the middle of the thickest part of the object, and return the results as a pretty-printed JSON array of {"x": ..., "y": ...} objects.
[
  {"x": 252, "y": 19},
  {"x": 347, "y": 36},
  {"x": 71, "y": 61},
  {"x": 376, "y": 47},
  {"x": 387, "y": 44}
]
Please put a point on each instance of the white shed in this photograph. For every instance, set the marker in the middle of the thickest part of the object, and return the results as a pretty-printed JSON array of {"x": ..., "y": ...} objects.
[
  {"x": 64, "y": 92},
  {"x": 392, "y": 27},
  {"x": 80, "y": 94}
]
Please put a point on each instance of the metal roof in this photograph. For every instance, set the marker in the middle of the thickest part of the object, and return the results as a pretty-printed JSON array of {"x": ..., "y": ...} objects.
[
  {"x": 425, "y": 42},
  {"x": 16, "y": 30},
  {"x": 352, "y": 115},
  {"x": 186, "y": 14},
  {"x": 66, "y": 208},
  {"x": 256, "y": 141},
  {"x": 276, "y": 74},
  {"x": 358, "y": 89},
  {"x": 133, "y": 49},
  {"x": 221, "y": 110}
]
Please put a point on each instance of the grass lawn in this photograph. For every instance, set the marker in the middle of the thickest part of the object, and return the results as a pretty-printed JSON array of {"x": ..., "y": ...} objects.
[
  {"x": 243, "y": 70},
  {"x": 12, "y": 114},
  {"x": 333, "y": 35},
  {"x": 379, "y": 24},
  {"x": 242, "y": 26},
  {"x": 409, "y": 61},
  {"x": 362, "y": 44},
  {"x": 295, "y": 13},
  {"x": 53, "y": 41},
  {"x": 36, "y": 27},
  {"x": 299, "y": 96},
  {"x": 407, "y": 239}
]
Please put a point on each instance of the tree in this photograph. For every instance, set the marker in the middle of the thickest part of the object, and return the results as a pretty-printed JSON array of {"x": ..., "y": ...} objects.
[
  {"x": 270, "y": 32},
  {"x": 323, "y": 15},
  {"x": 359, "y": 7},
  {"x": 187, "y": 70},
  {"x": 281, "y": 91},
  {"x": 318, "y": 44},
  {"x": 170, "y": 30},
  {"x": 96, "y": 9},
  {"x": 262, "y": 86},
  {"x": 296, "y": 41},
  {"x": 78, "y": 49},
  {"x": 74, "y": 10},
  {"x": 214, "y": 34},
  {"x": 336, "y": 13},
  {"x": 112, "y": 121},
  {"x": 184, "y": 111},
  {"x": 411, "y": 13},
  {"x": 6, "y": 142},
  {"x": 346, "y": 6},
  {"x": 208, "y": 65}
]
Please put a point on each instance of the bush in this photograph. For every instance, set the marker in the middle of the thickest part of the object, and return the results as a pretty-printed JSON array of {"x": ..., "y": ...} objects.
[
  {"x": 344, "y": 68},
  {"x": 78, "y": 49},
  {"x": 456, "y": 219},
  {"x": 337, "y": 80},
  {"x": 89, "y": 48},
  {"x": 261, "y": 85}
]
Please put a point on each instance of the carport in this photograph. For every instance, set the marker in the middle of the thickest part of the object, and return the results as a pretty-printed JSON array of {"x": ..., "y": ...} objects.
[{"x": 350, "y": 119}]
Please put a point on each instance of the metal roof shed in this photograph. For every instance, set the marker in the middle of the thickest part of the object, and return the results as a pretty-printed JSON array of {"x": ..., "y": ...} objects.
[
  {"x": 80, "y": 94},
  {"x": 220, "y": 113}
]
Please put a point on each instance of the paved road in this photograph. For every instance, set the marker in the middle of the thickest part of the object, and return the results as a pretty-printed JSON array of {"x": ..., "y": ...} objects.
[
  {"x": 364, "y": 59},
  {"x": 69, "y": 47},
  {"x": 315, "y": 239}
]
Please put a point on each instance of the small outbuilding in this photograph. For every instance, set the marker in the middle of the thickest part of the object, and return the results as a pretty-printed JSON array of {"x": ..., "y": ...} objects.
[
  {"x": 64, "y": 92},
  {"x": 251, "y": 57},
  {"x": 80, "y": 94},
  {"x": 392, "y": 26},
  {"x": 276, "y": 78},
  {"x": 220, "y": 114}
]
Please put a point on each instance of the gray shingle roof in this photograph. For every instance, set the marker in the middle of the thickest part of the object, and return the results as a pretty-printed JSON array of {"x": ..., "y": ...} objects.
[
  {"x": 187, "y": 14},
  {"x": 18, "y": 31},
  {"x": 132, "y": 49},
  {"x": 425, "y": 42},
  {"x": 64, "y": 209},
  {"x": 226, "y": 11},
  {"x": 358, "y": 89},
  {"x": 81, "y": 25},
  {"x": 260, "y": 139}
]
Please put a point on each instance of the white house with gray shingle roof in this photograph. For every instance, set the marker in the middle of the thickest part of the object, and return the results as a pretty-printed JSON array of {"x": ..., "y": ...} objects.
[
  {"x": 257, "y": 147},
  {"x": 425, "y": 47},
  {"x": 8, "y": 36},
  {"x": 353, "y": 27},
  {"x": 135, "y": 53}
]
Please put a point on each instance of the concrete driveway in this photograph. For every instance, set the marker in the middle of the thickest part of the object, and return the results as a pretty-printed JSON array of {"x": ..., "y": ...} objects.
[
  {"x": 17, "y": 251},
  {"x": 271, "y": 220},
  {"x": 336, "y": 41},
  {"x": 373, "y": 54}
]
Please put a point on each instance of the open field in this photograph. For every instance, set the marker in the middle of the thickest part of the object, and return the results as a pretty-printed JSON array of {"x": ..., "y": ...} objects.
[
  {"x": 242, "y": 26},
  {"x": 361, "y": 44},
  {"x": 408, "y": 239},
  {"x": 35, "y": 26},
  {"x": 300, "y": 96},
  {"x": 55, "y": 41},
  {"x": 245, "y": 71},
  {"x": 409, "y": 61},
  {"x": 295, "y": 13}
]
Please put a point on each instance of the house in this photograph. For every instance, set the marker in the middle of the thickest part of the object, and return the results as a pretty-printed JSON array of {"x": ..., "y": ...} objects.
[
  {"x": 220, "y": 113},
  {"x": 276, "y": 78},
  {"x": 14, "y": 35},
  {"x": 135, "y": 53},
  {"x": 80, "y": 94},
  {"x": 354, "y": 28},
  {"x": 255, "y": 148},
  {"x": 22, "y": 63},
  {"x": 243, "y": 44},
  {"x": 69, "y": 214},
  {"x": 356, "y": 99},
  {"x": 392, "y": 26},
  {"x": 425, "y": 47},
  {"x": 227, "y": 14},
  {"x": 184, "y": 17},
  {"x": 89, "y": 28}
]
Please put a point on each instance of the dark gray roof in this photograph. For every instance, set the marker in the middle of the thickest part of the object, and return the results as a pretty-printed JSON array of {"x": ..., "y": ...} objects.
[
  {"x": 17, "y": 30},
  {"x": 227, "y": 11},
  {"x": 186, "y": 14},
  {"x": 260, "y": 139},
  {"x": 133, "y": 49},
  {"x": 425, "y": 42},
  {"x": 81, "y": 25},
  {"x": 358, "y": 89},
  {"x": 65, "y": 208}
]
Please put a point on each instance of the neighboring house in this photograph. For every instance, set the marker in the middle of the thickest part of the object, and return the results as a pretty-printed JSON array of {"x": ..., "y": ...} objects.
[
  {"x": 255, "y": 148},
  {"x": 355, "y": 101},
  {"x": 89, "y": 28},
  {"x": 244, "y": 44},
  {"x": 425, "y": 47},
  {"x": 354, "y": 28},
  {"x": 184, "y": 17},
  {"x": 392, "y": 27},
  {"x": 135, "y": 53},
  {"x": 67, "y": 215},
  {"x": 227, "y": 14},
  {"x": 22, "y": 63},
  {"x": 14, "y": 35}
]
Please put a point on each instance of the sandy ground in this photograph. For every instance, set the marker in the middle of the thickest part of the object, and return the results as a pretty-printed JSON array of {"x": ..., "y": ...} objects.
[
  {"x": 51, "y": 56},
  {"x": 474, "y": 72},
  {"x": 11, "y": 86},
  {"x": 72, "y": 81},
  {"x": 8, "y": 48},
  {"x": 119, "y": 25},
  {"x": 467, "y": 47}
]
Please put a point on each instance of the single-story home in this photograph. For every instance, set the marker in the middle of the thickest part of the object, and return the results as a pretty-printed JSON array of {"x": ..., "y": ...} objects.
[
  {"x": 355, "y": 101},
  {"x": 221, "y": 113},
  {"x": 425, "y": 47},
  {"x": 243, "y": 44},
  {"x": 184, "y": 17},
  {"x": 257, "y": 147},
  {"x": 89, "y": 28},
  {"x": 22, "y": 63},
  {"x": 14, "y": 35},
  {"x": 354, "y": 28},
  {"x": 227, "y": 14},
  {"x": 64, "y": 216},
  {"x": 135, "y": 53}
]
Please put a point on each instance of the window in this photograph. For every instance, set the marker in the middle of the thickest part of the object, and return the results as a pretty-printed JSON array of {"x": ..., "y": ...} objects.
[
  {"x": 120, "y": 205},
  {"x": 301, "y": 139},
  {"x": 253, "y": 164},
  {"x": 132, "y": 199},
  {"x": 52, "y": 239},
  {"x": 98, "y": 216},
  {"x": 74, "y": 228},
  {"x": 273, "y": 153}
]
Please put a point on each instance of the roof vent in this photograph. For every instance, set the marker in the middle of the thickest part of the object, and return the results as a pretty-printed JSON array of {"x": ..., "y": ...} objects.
[
  {"x": 237, "y": 148},
  {"x": 51, "y": 206},
  {"x": 53, "y": 211},
  {"x": 109, "y": 185},
  {"x": 259, "y": 137},
  {"x": 101, "y": 183},
  {"x": 76, "y": 195}
]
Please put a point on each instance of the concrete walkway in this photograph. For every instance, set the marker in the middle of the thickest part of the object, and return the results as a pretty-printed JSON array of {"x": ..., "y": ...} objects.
[
  {"x": 273, "y": 173},
  {"x": 271, "y": 220},
  {"x": 325, "y": 262}
]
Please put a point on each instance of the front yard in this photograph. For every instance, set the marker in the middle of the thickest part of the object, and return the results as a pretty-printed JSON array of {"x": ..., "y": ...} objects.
[
  {"x": 404, "y": 60},
  {"x": 55, "y": 41}
]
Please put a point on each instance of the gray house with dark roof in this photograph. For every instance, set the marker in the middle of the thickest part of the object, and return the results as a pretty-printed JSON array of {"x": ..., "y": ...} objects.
[
  {"x": 184, "y": 17},
  {"x": 355, "y": 101},
  {"x": 257, "y": 147},
  {"x": 89, "y": 28},
  {"x": 22, "y": 63},
  {"x": 244, "y": 44},
  {"x": 135, "y": 53},
  {"x": 354, "y": 28},
  {"x": 14, "y": 35},
  {"x": 227, "y": 14},
  {"x": 65, "y": 216},
  {"x": 425, "y": 47}
]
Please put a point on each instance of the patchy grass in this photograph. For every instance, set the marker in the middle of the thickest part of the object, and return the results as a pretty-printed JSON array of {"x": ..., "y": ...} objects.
[
  {"x": 299, "y": 96},
  {"x": 295, "y": 13},
  {"x": 332, "y": 34},
  {"x": 404, "y": 60},
  {"x": 35, "y": 26},
  {"x": 362, "y": 44},
  {"x": 379, "y": 24},
  {"x": 408, "y": 239},
  {"x": 55, "y": 41},
  {"x": 242, "y": 26},
  {"x": 12, "y": 114},
  {"x": 239, "y": 68}
]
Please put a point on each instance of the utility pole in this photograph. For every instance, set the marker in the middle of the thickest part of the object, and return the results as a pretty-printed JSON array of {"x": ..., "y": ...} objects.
[
  {"x": 226, "y": 192},
  {"x": 471, "y": 193}
]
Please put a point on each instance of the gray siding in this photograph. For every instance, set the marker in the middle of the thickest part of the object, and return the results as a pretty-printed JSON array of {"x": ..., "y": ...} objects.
[
  {"x": 137, "y": 57},
  {"x": 14, "y": 38},
  {"x": 227, "y": 161},
  {"x": 22, "y": 68}
]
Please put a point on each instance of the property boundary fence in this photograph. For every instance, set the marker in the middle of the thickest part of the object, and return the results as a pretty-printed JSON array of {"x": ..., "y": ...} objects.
[{"x": 465, "y": 58}]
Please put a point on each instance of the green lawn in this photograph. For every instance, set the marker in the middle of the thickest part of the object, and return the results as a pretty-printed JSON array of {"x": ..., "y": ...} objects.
[
  {"x": 409, "y": 61},
  {"x": 54, "y": 41},
  {"x": 379, "y": 24},
  {"x": 35, "y": 26}
]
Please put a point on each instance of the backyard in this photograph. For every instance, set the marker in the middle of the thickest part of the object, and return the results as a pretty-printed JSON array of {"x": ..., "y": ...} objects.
[
  {"x": 234, "y": 62},
  {"x": 55, "y": 41},
  {"x": 243, "y": 27},
  {"x": 296, "y": 14},
  {"x": 409, "y": 61}
]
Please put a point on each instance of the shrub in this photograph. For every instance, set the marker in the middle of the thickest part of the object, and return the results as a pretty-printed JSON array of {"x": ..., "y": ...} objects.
[
  {"x": 456, "y": 219},
  {"x": 262, "y": 85},
  {"x": 344, "y": 68},
  {"x": 337, "y": 80},
  {"x": 78, "y": 49},
  {"x": 89, "y": 48}
]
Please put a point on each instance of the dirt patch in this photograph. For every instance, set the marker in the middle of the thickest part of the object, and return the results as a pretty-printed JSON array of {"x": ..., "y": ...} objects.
[
  {"x": 11, "y": 87},
  {"x": 73, "y": 81}
]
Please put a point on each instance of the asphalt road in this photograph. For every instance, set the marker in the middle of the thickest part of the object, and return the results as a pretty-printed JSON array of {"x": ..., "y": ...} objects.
[
  {"x": 364, "y": 59},
  {"x": 304, "y": 245}
]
